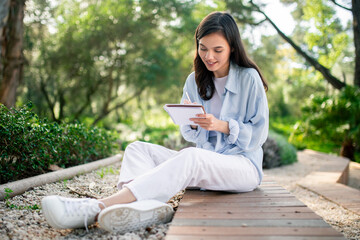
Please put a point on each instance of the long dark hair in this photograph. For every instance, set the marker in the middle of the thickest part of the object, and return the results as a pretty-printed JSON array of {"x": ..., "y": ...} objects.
[{"x": 220, "y": 22}]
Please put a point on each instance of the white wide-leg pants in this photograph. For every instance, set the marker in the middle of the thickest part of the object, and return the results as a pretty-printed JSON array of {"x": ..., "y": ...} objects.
[{"x": 151, "y": 171}]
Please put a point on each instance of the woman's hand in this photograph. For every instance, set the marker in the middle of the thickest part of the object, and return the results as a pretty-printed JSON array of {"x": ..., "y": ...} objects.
[
  {"x": 211, "y": 123},
  {"x": 189, "y": 102}
]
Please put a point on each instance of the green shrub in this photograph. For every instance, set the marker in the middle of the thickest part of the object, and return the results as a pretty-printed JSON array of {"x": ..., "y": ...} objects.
[
  {"x": 334, "y": 118},
  {"x": 277, "y": 151},
  {"x": 28, "y": 145},
  {"x": 158, "y": 135},
  {"x": 287, "y": 151}
]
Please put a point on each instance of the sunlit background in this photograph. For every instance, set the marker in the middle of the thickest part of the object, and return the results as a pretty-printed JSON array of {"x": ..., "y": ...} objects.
[{"x": 114, "y": 64}]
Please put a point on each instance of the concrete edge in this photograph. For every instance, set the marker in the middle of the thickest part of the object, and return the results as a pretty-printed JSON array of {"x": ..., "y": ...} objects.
[
  {"x": 337, "y": 170},
  {"x": 21, "y": 186},
  {"x": 349, "y": 201},
  {"x": 320, "y": 181}
]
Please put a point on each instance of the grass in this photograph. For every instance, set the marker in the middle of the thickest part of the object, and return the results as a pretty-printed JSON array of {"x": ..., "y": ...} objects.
[
  {"x": 283, "y": 126},
  {"x": 286, "y": 126},
  {"x": 13, "y": 206},
  {"x": 107, "y": 170}
]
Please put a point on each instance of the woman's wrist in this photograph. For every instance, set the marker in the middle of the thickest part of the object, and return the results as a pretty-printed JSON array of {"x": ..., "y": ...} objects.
[{"x": 223, "y": 126}]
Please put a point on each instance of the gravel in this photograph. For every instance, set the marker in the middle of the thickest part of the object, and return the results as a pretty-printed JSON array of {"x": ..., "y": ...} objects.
[{"x": 20, "y": 218}]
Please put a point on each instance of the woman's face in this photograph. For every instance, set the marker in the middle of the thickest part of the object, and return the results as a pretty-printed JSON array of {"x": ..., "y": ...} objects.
[{"x": 214, "y": 51}]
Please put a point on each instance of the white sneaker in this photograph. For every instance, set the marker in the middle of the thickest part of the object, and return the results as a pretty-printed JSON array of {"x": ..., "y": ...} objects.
[
  {"x": 124, "y": 218},
  {"x": 61, "y": 212}
]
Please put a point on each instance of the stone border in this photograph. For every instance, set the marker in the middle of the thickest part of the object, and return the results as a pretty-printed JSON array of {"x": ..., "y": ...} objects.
[
  {"x": 21, "y": 186},
  {"x": 329, "y": 181}
]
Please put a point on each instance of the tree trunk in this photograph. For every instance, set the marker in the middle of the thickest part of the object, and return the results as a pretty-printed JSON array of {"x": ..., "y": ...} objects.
[
  {"x": 11, "y": 52},
  {"x": 356, "y": 27},
  {"x": 348, "y": 149},
  {"x": 106, "y": 110},
  {"x": 4, "y": 16},
  {"x": 50, "y": 104}
]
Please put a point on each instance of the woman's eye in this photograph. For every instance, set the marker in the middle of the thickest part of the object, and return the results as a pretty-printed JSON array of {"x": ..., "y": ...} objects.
[
  {"x": 218, "y": 51},
  {"x": 203, "y": 49}
]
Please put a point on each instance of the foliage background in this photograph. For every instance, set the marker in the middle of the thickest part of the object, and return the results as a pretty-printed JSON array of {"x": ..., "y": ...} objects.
[
  {"x": 29, "y": 145},
  {"x": 114, "y": 63}
]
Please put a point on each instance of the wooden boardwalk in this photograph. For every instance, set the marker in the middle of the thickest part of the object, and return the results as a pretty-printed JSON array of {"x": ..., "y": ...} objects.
[{"x": 269, "y": 212}]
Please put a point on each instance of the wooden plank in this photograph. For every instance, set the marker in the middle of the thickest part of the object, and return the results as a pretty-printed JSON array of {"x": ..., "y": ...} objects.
[
  {"x": 260, "y": 190},
  {"x": 231, "y": 199},
  {"x": 254, "y": 193},
  {"x": 231, "y": 205},
  {"x": 245, "y": 209},
  {"x": 271, "y": 182},
  {"x": 186, "y": 237},
  {"x": 230, "y": 215},
  {"x": 217, "y": 193},
  {"x": 252, "y": 231},
  {"x": 268, "y": 180},
  {"x": 250, "y": 223},
  {"x": 247, "y": 195},
  {"x": 269, "y": 186}
]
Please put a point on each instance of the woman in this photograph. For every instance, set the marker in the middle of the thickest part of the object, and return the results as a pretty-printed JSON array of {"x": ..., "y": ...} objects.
[{"x": 228, "y": 154}]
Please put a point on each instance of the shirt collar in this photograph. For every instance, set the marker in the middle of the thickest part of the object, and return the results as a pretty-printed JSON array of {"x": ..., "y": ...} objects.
[{"x": 231, "y": 83}]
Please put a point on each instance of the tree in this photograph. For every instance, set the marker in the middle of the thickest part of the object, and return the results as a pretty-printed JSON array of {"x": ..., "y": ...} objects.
[
  {"x": 243, "y": 13},
  {"x": 103, "y": 56},
  {"x": 356, "y": 26},
  {"x": 11, "y": 40}
]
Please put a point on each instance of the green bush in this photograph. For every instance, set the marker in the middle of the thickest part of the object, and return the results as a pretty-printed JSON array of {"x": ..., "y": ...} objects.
[
  {"x": 334, "y": 118},
  {"x": 158, "y": 135},
  {"x": 28, "y": 144},
  {"x": 277, "y": 151},
  {"x": 287, "y": 151}
]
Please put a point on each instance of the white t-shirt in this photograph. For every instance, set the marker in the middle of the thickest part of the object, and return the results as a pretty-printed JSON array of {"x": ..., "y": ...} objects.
[{"x": 217, "y": 98}]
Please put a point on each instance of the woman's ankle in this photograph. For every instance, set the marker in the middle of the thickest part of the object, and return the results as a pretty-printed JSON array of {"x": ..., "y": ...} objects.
[{"x": 102, "y": 205}]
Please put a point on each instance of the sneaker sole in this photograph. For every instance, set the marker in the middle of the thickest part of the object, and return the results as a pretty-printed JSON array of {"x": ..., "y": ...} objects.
[{"x": 123, "y": 219}]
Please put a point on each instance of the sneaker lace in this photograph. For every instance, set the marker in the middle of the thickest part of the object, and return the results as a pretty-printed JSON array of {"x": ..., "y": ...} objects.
[{"x": 87, "y": 208}]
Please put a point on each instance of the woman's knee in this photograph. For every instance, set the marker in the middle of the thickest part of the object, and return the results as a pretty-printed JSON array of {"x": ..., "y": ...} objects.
[
  {"x": 192, "y": 151},
  {"x": 135, "y": 145},
  {"x": 247, "y": 186},
  {"x": 192, "y": 156}
]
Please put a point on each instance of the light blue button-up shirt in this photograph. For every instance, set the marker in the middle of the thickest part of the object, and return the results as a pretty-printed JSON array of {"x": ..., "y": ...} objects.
[{"x": 244, "y": 107}]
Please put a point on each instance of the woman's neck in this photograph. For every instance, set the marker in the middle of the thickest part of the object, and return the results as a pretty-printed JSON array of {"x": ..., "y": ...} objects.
[{"x": 222, "y": 72}]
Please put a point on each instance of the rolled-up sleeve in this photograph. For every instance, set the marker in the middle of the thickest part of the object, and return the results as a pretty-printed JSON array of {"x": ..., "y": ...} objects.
[
  {"x": 193, "y": 135},
  {"x": 198, "y": 135},
  {"x": 252, "y": 132},
  {"x": 234, "y": 130}
]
